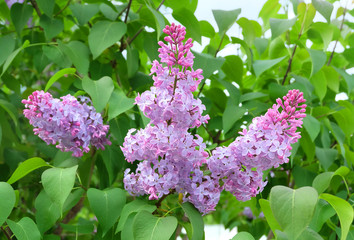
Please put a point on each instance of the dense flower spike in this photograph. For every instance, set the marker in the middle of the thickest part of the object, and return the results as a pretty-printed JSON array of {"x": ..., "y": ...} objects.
[
  {"x": 173, "y": 160},
  {"x": 72, "y": 124}
]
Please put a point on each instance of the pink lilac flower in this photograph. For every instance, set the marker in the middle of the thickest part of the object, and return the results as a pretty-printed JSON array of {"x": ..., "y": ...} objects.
[
  {"x": 71, "y": 124},
  {"x": 173, "y": 160}
]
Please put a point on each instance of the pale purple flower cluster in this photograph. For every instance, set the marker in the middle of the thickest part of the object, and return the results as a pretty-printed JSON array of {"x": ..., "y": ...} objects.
[
  {"x": 73, "y": 124},
  {"x": 173, "y": 160}
]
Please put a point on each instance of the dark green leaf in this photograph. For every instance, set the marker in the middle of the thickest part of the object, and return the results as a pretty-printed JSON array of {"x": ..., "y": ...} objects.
[
  {"x": 47, "y": 6},
  {"x": 187, "y": 18},
  {"x": 7, "y": 201},
  {"x": 20, "y": 14},
  {"x": 322, "y": 213},
  {"x": 119, "y": 103},
  {"x": 78, "y": 53},
  {"x": 47, "y": 212},
  {"x": 7, "y": 44},
  {"x": 84, "y": 13}
]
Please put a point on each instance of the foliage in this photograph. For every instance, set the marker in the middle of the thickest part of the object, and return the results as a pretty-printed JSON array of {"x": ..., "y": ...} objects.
[{"x": 104, "y": 50}]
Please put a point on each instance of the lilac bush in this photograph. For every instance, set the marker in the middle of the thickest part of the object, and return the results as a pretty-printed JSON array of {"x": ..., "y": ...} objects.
[
  {"x": 173, "y": 160},
  {"x": 73, "y": 124}
]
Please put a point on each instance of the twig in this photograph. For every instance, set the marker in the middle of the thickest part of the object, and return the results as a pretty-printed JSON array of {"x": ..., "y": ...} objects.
[
  {"x": 128, "y": 9},
  {"x": 35, "y": 6},
  {"x": 340, "y": 30},
  {"x": 161, "y": 3},
  {"x": 293, "y": 54},
  {"x": 218, "y": 49},
  {"x": 6, "y": 233},
  {"x": 61, "y": 10}
]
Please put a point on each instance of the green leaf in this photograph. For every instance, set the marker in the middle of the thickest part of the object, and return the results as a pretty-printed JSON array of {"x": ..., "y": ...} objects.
[
  {"x": 47, "y": 212},
  {"x": 107, "y": 205},
  {"x": 309, "y": 234},
  {"x": 293, "y": 209},
  {"x": 344, "y": 211},
  {"x": 7, "y": 201},
  {"x": 10, "y": 109},
  {"x": 100, "y": 91},
  {"x": 246, "y": 49},
  {"x": 345, "y": 117},
  {"x": 233, "y": 68},
  {"x": 269, "y": 9},
  {"x": 324, "y": 8},
  {"x": 243, "y": 236},
  {"x": 7, "y": 44},
  {"x": 58, "y": 183},
  {"x": 326, "y": 156},
  {"x": 132, "y": 61},
  {"x": 306, "y": 13},
  {"x": 318, "y": 59},
  {"x": 322, "y": 181},
  {"x": 322, "y": 213},
  {"x": 207, "y": 63},
  {"x": 84, "y": 13},
  {"x": 119, "y": 103},
  {"x": 20, "y": 14},
  {"x": 206, "y": 29},
  {"x": 225, "y": 19},
  {"x": 26, "y": 167},
  {"x": 197, "y": 229},
  {"x": 47, "y": 6},
  {"x": 159, "y": 21},
  {"x": 250, "y": 30},
  {"x": 12, "y": 56},
  {"x": 231, "y": 114},
  {"x": 78, "y": 53},
  {"x": 267, "y": 211},
  {"x": 278, "y": 26},
  {"x": 332, "y": 78},
  {"x": 312, "y": 125},
  {"x": 108, "y": 12},
  {"x": 56, "y": 55},
  {"x": 104, "y": 34},
  {"x": 148, "y": 227},
  {"x": 187, "y": 19},
  {"x": 133, "y": 207},
  {"x": 25, "y": 229},
  {"x": 349, "y": 79},
  {"x": 52, "y": 26},
  {"x": 326, "y": 32},
  {"x": 58, "y": 75},
  {"x": 260, "y": 66}
]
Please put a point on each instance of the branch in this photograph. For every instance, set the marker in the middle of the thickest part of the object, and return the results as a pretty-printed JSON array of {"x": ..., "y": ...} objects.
[
  {"x": 217, "y": 50},
  {"x": 6, "y": 233},
  {"x": 293, "y": 54},
  {"x": 335, "y": 44},
  {"x": 35, "y": 6},
  {"x": 61, "y": 10},
  {"x": 128, "y": 9}
]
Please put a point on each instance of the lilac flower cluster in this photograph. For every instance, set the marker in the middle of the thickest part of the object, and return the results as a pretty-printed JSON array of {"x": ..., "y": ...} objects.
[
  {"x": 74, "y": 124},
  {"x": 173, "y": 160}
]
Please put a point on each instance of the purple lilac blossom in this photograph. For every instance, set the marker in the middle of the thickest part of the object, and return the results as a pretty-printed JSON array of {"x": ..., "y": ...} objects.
[
  {"x": 171, "y": 159},
  {"x": 73, "y": 124}
]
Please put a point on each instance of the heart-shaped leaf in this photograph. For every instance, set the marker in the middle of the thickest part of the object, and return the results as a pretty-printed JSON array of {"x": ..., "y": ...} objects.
[
  {"x": 107, "y": 205},
  {"x": 7, "y": 201},
  {"x": 25, "y": 229}
]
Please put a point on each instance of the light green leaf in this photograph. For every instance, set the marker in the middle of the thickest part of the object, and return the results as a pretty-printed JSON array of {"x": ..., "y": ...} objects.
[
  {"x": 246, "y": 49},
  {"x": 148, "y": 227},
  {"x": 233, "y": 68},
  {"x": 104, "y": 34},
  {"x": 260, "y": 66},
  {"x": 278, "y": 26},
  {"x": 322, "y": 181},
  {"x": 58, "y": 183},
  {"x": 269, "y": 9},
  {"x": 243, "y": 236},
  {"x": 309, "y": 234},
  {"x": 78, "y": 53},
  {"x": 108, "y": 12},
  {"x": 132, "y": 61},
  {"x": 26, "y": 167},
  {"x": 12, "y": 56},
  {"x": 107, "y": 205},
  {"x": 207, "y": 63},
  {"x": 225, "y": 19},
  {"x": 7, "y": 44},
  {"x": 349, "y": 78},
  {"x": 197, "y": 229},
  {"x": 332, "y": 78},
  {"x": 52, "y": 26},
  {"x": 326, "y": 156},
  {"x": 187, "y": 19},
  {"x": 100, "y": 91},
  {"x": 344, "y": 211},
  {"x": 47, "y": 6},
  {"x": 47, "y": 212},
  {"x": 318, "y": 59},
  {"x": 84, "y": 13},
  {"x": 306, "y": 14},
  {"x": 159, "y": 21},
  {"x": 322, "y": 213},
  {"x": 312, "y": 125},
  {"x": 20, "y": 14},
  {"x": 119, "y": 103},
  {"x": 267, "y": 211},
  {"x": 7, "y": 201},
  {"x": 206, "y": 29},
  {"x": 133, "y": 207},
  {"x": 250, "y": 30},
  {"x": 323, "y": 7},
  {"x": 293, "y": 209},
  {"x": 25, "y": 229},
  {"x": 231, "y": 114},
  {"x": 326, "y": 32},
  {"x": 58, "y": 75}
]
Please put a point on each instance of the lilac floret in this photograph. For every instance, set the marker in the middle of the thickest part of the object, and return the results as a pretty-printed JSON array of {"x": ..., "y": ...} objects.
[{"x": 71, "y": 124}]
